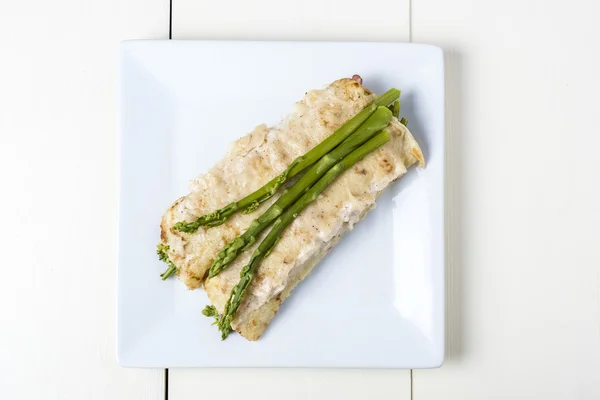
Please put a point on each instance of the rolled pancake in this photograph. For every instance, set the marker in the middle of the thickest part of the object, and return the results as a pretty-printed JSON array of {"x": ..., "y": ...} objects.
[
  {"x": 313, "y": 233},
  {"x": 252, "y": 161}
]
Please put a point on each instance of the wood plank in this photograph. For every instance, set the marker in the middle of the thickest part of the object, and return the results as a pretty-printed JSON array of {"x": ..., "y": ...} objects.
[
  {"x": 290, "y": 384},
  {"x": 58, "y": 166},
  {"x": 522, "y": 202},
  {"x": 277, "y": 20},
  {"x": 299, "y": 20}
]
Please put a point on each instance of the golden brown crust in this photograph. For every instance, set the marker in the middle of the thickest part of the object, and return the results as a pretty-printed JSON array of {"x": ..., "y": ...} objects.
[
  {"x": 259, "y": 320},
  {"x": 416, "y": 152}
]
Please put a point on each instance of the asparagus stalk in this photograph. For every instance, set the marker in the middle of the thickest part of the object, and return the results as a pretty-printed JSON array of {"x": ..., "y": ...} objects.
[
  {"x": 388, "y": 97},
  {"x": 253, "y": 200},
  {"x": 395, "y": 108},
  {"x": 248, "y": 272},
  {"x": 374, "y": 124}
]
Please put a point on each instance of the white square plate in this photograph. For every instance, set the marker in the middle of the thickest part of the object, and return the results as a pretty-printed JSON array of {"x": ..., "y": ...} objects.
[{"x": 377, "y": 301}]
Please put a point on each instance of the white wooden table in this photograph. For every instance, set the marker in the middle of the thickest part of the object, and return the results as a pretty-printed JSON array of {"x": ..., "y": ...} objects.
[{"x": 523, "y": 196}]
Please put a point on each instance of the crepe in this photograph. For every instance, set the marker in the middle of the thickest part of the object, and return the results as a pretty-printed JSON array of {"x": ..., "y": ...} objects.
[
  {"x": 313, "y": 233},
  {"x": 250, "y": 162},
  {"x": 254, "y": 160}
]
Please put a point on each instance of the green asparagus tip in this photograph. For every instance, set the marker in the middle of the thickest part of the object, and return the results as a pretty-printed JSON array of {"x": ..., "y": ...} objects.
[
  {"x": 404, "y": 121},
  {"x": 225, "y": 330},
  {"x": 161, "y": 250},
  {"x": 211, "y": 311},
  {"x": 187, "y": 227}
]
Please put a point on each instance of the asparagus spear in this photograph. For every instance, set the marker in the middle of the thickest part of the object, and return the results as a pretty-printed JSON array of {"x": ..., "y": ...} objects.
[
  {"x": 374, "y": 124},
  {"x": 395, "y": 108},
  {"x": 253, "y": 200},
  {"x": 247, "y": 273}
]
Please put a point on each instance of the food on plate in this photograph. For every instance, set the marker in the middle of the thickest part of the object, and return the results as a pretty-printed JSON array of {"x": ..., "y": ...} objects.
[
  {"x": 329, "y": 160},
  {"x": 251, "y": 162},
  {"x": 311, "y": 235},
  {"x": 376, "y": 122},
  {"x": 250, "y": 202},
  {"x": 281, "y": 223}
]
